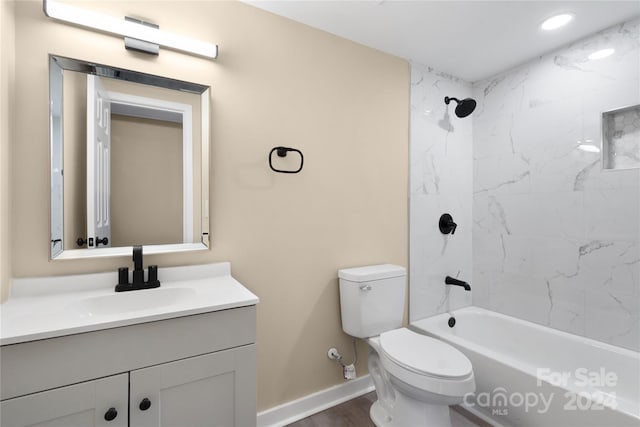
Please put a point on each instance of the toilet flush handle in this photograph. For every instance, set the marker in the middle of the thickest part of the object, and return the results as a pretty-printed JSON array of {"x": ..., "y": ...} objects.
[{"x": 365, "y": 287}]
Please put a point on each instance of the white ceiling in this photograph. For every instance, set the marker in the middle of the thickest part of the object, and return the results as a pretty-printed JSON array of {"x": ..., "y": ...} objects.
[{"x": 472, "y": 40}]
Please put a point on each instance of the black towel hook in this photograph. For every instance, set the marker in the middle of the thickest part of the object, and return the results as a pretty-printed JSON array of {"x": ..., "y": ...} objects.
[{"x": 282, "y": 152}]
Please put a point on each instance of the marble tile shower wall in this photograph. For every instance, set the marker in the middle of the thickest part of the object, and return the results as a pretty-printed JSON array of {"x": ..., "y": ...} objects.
[
  {"x": 555, "y": 237},
  {"x": 440, "y": 181}
]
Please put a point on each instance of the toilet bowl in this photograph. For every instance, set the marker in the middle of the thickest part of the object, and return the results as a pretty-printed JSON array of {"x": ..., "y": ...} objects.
[
  {"x": 416, "y": 377},
  {"x": 423, "y": 375}
]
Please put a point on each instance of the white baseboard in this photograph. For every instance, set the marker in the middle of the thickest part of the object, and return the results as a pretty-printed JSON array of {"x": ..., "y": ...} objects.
[{"x": 298, "y": 409}]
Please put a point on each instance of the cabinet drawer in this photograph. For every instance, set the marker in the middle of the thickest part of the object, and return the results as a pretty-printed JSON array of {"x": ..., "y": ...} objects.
[{"x": 46, "y": 364}]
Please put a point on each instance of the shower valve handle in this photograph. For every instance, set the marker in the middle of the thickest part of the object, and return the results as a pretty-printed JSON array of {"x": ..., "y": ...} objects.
[{"x": 446, "y": 224}]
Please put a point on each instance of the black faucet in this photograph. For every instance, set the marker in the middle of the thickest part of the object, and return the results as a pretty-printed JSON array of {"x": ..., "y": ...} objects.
[
  {"x": 451, "y": 281},
  {"x": 138, "y": 275}
]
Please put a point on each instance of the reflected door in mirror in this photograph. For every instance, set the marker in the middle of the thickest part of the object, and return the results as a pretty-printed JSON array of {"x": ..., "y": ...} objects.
[{"x": 98, "y": 164}]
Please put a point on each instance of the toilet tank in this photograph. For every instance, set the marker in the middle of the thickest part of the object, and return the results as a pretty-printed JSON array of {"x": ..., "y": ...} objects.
[{"x": 371, "y": 299}]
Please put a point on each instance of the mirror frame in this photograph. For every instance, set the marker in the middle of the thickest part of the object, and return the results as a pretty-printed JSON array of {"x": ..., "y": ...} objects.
[{"x": 57, "y": 66}]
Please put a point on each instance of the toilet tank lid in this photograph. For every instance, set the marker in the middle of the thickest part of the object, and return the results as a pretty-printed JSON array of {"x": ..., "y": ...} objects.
[{"x": 371, "y": 272}]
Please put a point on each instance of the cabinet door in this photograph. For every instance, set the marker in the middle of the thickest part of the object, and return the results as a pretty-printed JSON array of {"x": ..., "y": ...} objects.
[
  {"x": 216, "y": 389},
  {"x": 81, "y": 405}
]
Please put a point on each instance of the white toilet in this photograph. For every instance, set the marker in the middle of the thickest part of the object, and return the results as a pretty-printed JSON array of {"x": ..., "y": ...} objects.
[{"x": 416, "y": 377}]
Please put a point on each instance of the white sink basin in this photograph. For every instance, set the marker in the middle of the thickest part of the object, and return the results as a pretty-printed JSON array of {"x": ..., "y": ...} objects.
[{"x": 132, "y": 301}]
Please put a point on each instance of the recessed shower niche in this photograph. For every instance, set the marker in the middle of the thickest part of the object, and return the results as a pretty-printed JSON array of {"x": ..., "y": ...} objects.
[{"x": 621, "y": 138}]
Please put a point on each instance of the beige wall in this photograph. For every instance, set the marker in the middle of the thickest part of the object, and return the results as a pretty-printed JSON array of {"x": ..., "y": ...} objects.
[
  {"x": 276, "y": 82},
  {"x": 146, "y": 181},
  {"x": 7, "y": 77}
]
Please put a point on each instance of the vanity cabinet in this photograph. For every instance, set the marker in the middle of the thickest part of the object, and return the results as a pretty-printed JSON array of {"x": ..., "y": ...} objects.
[{"x": 188, "y": 371}]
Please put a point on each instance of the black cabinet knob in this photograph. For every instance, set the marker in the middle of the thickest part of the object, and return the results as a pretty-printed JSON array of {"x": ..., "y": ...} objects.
[
  {"x": 145, "y": 404},
  {"x": 111, "y": 414}
]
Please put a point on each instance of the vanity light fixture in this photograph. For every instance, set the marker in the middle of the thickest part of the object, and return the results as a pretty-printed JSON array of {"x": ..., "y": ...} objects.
[
  {"x": 556, "y": 21},
  {"x": 601, "y": 54},
  {"x": 127, "y": 28}
]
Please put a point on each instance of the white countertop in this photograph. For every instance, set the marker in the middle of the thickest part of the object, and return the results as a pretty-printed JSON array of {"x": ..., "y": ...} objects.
[{"x": 40, "y": 308}]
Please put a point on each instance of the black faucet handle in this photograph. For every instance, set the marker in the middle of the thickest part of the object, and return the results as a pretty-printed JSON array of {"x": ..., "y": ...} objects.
[
  {"x": 446, "y": 224},
  {"x": 123, "y": 276},
  {"x": 153, "y": 274}
]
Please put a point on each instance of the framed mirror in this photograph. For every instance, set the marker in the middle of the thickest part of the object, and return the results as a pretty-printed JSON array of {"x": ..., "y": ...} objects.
[{"x": 129, "y": 161}]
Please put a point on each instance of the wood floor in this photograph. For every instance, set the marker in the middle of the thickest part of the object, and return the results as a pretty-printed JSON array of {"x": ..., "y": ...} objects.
[{"x": 355, "y": 413}]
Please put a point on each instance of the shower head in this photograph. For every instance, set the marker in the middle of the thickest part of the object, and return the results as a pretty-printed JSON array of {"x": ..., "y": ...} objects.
[{"x": 464, "y": 107}]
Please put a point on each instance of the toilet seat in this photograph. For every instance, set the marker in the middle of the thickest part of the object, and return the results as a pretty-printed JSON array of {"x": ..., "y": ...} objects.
[
  {"x": 424, "y": 355},
  {"x": 424, "y": 363}
]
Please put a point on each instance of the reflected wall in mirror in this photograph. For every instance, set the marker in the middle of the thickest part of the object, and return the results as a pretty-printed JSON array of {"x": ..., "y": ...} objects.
[{"x": 129, "y": 161}]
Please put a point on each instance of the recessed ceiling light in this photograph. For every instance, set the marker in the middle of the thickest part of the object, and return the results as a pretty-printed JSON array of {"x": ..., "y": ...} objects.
[
  {"x": 602, "y": 53},
  {"x": 556, "y": 21},
  {"x": 589, "y": 148}
]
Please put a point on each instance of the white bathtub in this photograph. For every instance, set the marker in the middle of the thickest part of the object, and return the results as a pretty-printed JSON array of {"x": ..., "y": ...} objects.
[{"x": 531, "y": 375}]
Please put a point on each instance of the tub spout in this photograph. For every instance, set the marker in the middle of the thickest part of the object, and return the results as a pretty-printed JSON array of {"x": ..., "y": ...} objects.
[{"x": 451, "y": 281}]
